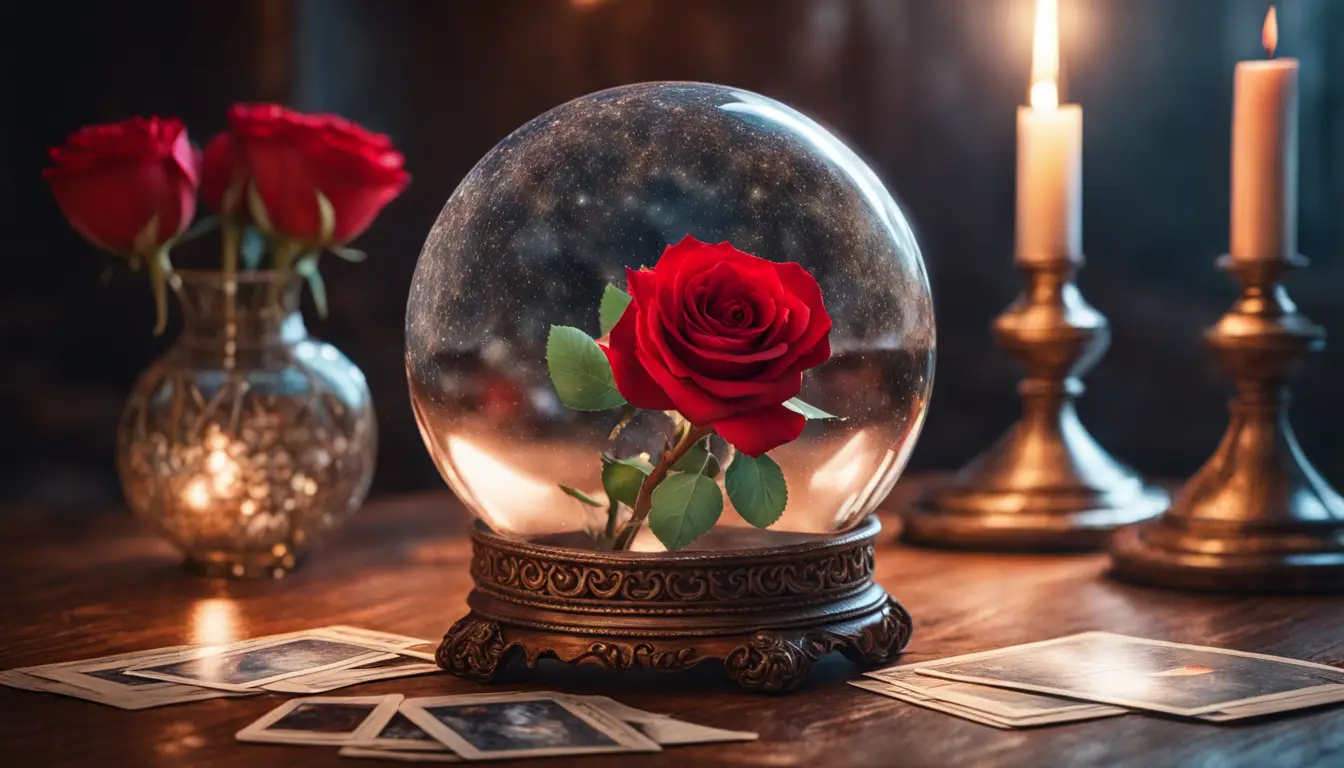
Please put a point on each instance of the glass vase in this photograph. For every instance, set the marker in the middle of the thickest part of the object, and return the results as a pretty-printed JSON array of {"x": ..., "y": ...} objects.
[{"x": 249, "y": 440}]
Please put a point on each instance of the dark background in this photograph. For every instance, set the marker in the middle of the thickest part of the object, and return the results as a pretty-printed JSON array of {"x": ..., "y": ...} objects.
[{"x": 924, "y": 89}]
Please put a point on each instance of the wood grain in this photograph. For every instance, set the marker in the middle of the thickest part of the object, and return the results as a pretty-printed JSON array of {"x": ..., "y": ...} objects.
[{"x": 104, "y": 586}]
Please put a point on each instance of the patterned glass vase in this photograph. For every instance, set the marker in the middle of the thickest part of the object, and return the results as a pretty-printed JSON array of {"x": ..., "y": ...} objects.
[{"x": 248, "y": 440}]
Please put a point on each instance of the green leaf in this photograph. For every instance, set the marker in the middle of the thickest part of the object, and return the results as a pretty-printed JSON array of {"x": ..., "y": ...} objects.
[
  {"x": 698, "y": 460},
  {"x": 349, "y": 254},
  {"x": 756, "y": 488},
  {"x": 581, "y": 496},
  {"x": 307, "y": 268},
  {"x": 622, "y": 478},
  {"x": 257, "y": 207},
  {"x": 205, "y": 224},
  {"x": 326, "y": 213},
  {"x": 252, "y": 248},
  {"x": 580, "y": 371},
  {"x": 147, "y": 239},
  {"x": 614, "y": 302},
  {"x": 684, "y": 506},
  {"x": 810, "y": 412},
  {"x": 159, "y": 270}
]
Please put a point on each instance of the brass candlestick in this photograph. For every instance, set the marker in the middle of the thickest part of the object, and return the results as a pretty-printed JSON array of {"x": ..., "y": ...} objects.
[
  {"x": 1257, "y": 516},
  {"x": 1046, "y": 485}
]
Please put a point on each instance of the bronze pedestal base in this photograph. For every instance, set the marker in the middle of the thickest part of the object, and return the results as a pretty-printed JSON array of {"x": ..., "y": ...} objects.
[
  {"x": 1046, "y": 485},
  {"x": 1257, "y": 517},
  {"x": 766, "y": 614}
]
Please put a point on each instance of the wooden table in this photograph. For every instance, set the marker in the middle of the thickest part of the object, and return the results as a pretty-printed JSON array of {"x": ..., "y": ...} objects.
[{"x": 100, "y": 585}]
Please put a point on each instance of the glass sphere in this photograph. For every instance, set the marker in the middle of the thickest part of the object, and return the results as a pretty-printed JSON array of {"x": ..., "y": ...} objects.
[{"x": 562, "y": 206}]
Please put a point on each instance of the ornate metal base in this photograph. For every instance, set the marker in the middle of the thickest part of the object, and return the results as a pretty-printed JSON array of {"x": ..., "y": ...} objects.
[
  {"x": 1046, "y": 485},
  {"x": 1257, "y": 517},
  {"x": 1026, "y": 520},
  {"x": 766, "y": 614}
]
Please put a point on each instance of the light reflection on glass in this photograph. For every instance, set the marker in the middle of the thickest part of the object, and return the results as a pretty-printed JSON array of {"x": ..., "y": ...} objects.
[{"x": 506, "y": 497}]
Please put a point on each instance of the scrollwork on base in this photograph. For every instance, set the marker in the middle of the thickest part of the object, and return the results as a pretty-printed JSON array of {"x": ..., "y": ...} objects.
[
  {"x": 773, "y": 663},
  {"x": 880, "y": 641},
  {"x": 473, "y": 649}
]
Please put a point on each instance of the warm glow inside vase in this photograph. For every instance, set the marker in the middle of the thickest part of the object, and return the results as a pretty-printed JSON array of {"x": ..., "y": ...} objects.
[
  {"x": 249, "y": 440},
  {"x": 563, "y": 205}
]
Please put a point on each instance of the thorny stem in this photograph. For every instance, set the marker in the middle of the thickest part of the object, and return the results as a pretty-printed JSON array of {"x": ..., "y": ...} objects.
[{"x": 644, "y": 501}]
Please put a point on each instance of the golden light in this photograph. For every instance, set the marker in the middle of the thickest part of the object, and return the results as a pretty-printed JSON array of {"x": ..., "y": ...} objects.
[
  {"x": 1269, "y": 34},
  {"x": 1045, "y": 56},
  {"x": 214, "y": 621}
]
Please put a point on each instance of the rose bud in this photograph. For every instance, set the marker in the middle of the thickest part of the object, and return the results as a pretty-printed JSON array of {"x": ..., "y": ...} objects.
[
  {"x": 130, "y": 188},
  {"x": 723, "y": 337},
  {"x": 222, "y": 178},
  {"x": 297, "y": 161},
  {"x": 127, "y": 187}
]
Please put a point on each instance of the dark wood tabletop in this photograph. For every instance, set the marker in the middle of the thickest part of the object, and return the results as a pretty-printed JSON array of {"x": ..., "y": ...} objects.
[{"x": 98, "y": 584}]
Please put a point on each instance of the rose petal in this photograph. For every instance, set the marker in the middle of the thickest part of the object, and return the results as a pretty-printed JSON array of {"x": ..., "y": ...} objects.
[
  {"x": 756, "y": 432},
  {"x": 632, "y": 380}
]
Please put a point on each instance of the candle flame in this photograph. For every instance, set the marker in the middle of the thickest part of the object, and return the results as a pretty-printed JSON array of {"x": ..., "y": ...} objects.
[
  {"x": 1269, "y": 34},
  {"x": 1045, "y": 56}
]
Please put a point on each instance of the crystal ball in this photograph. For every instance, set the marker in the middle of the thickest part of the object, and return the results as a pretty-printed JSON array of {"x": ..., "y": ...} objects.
[{"x": 562, "y": 207}]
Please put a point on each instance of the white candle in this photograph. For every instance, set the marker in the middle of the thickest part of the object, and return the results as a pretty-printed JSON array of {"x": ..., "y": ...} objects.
[
  {"x": 1264, "y": 155},
  {"x": 1049, "y": 156}
]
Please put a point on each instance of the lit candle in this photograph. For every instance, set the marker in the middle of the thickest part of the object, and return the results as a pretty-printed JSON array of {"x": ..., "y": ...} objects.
[
  {"x": 1264, "y": 154},
  {"x": 1049, "y": 156}
]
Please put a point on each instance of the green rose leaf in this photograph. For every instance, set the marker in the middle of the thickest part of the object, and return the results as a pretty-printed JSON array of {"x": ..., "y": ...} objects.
[
  {"x": 580, "y": 371},
  {"x": 697, "y": 459},
  {"x": 756, "y": 488},
  {"x": 810, "y": 412},
  {"x": 684, "y": 506},
  {"x": 614, "y": 302},
  {"x": 622, "y": 478},
  {"x": 581, "y": 496}
]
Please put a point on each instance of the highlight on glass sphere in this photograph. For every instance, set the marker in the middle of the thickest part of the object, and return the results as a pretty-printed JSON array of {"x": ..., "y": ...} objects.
[{"x": 670, "y": 316}]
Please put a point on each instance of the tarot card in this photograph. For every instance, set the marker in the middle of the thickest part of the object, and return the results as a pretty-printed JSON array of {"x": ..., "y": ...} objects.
[
  {"x": 1274, "y": 706},
  {"x": 503, "y": 726},
  {"x": 443, "y": 756},
  {"x": 397, "y": 733},
  {"x": 105, "y": 676},
  {"x": 1144, "y": 674},
  {"x": 1000, "y": 702},
  {"x": 250, "y": 665},
  {"x": 383, "y": 667},
  {"x": 666, "y": 730},
  {"x": 322, "y": 720},
  {"x": 901, "y": 694},
  {"x": 180, "y": 694}
]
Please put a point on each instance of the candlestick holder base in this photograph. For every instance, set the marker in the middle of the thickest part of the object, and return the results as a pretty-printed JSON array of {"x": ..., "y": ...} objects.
[
  {"x": 1046, "y": 486},
  {"x": 1257, "y": 517}
]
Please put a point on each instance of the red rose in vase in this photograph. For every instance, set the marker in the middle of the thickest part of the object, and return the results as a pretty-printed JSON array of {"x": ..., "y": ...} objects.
[
  {"x": 295, "y": 160},
  {"x": 723, "y": 337},
  {"x": 222, "y": 177},
  {"x": 128, "y": 187}
]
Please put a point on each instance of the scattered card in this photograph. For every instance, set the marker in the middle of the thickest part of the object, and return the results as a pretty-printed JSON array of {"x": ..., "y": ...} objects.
[
  {"x": 323, "y": 720},
  {"x": 255, "y": 663},
  {"x": 103, "y": 680},
  {"x": 998, "y": 702},
  {"x": 901, "y": 694},
  {"x": 503, "y": 726},
  {"x": 444, "y": 756},
  {"x": 396, "y": 732},
  {"x": 666, "y": 730},
  {"x": 384, "y": 667},
  {"x": 1155, "y": 675}
]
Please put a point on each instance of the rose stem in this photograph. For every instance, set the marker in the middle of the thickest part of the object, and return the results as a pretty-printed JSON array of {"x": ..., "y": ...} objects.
[{"x": 644, "y": 501}]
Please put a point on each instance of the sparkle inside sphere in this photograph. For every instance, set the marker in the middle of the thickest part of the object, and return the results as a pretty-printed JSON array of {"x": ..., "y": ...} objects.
[{"x": 563, "y": 205}]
